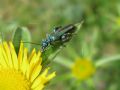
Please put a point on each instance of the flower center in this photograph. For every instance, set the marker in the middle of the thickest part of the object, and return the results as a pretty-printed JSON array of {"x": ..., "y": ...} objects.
[
  {"x": 83, "y": 69},
  {"x": 11, "y": 79}
]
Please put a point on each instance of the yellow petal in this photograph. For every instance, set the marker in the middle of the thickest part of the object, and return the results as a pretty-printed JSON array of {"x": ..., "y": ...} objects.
[
  {"x": 35, "y": 72},
  {"x": 36, "y": 68},
  {"x": 41, "y": 79},
  {"x": 0, "y": 66},
  {"x": 50, "y": 76},
  {"x": 20, "y": 55},
  {"x": 45, "y": 72},
  {"x": 2, "y": 59},
  {"x": 14, "y": 56},
  {"x": 35, "y": 61},
  {"x": 24, "y": 64},
  {"x": 8, "y": 54},
  {"x": 4, "y": 55},
  {"x": 32, "y": 54},
  {"x": 31, "y": 66},
  {"x": 40, "y": 87},
  {"x": 40, "y": 58}
]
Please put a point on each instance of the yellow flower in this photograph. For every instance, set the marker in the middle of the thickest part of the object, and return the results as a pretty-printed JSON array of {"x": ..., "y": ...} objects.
[
  {"x": 83, "y": 69},
  {"x": 21, "y": 72}
]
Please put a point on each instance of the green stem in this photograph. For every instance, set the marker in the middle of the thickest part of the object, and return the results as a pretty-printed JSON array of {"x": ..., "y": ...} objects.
[
  {"x": 62, "y": 78},
  {"x": 63, "y": 61},
  {"x": 107, "y": 60}
]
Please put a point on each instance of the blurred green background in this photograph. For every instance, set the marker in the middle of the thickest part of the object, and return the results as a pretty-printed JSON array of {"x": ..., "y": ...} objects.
[{"x": 98, "y": 39}]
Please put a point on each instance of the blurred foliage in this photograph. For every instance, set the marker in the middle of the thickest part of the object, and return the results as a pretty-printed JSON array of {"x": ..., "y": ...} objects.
[{"x": 98, "y": 38}]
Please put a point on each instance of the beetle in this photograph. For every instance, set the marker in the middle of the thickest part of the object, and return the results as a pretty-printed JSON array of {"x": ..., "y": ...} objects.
[{"x": 60, "y": 35}]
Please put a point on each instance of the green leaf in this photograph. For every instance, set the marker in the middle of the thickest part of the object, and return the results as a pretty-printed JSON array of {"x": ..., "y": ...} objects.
[{"x": 21, "y": 34}]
